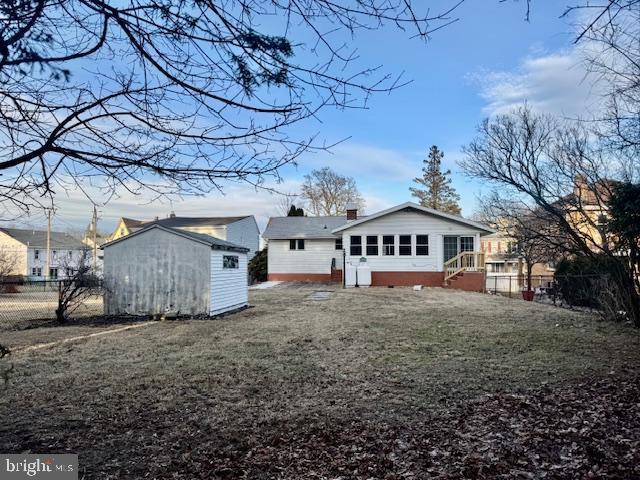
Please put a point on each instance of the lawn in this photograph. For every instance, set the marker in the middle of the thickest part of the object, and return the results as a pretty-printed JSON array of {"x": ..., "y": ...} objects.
[{"x": 366, "y": 384}]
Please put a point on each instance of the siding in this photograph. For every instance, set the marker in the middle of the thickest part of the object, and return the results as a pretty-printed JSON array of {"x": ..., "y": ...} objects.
[
  {"x": 17, "y": 253},
  {"x": 315, "y": 258},
  {"x": 229, "y": 288},
  {"x": 408, "y": 223},
  {"x": 245, "y": 233},
  {"x": 155, "y": 272}
]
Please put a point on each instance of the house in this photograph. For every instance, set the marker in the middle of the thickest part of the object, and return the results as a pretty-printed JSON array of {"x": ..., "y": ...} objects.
[
  {"x": 158, "y": 269},
  {"x": 404, "y": 245},
  {"x": 241, "y": 230},
  {"x": 27, "y": 249}
]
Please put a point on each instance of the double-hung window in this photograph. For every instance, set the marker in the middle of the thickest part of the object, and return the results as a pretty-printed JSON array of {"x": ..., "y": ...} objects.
[
  {"x": 296, "y": 244},
  {"x": 422, "y": 244},
  {"x": 36, "y": 254},
  {"x": 355, "y": 248},
  {"x": 372, "y": 245},
  {"x": 339, "y": 243},
  {"x": 388, "y": 245},
  {"x": 404, "y": 245}
]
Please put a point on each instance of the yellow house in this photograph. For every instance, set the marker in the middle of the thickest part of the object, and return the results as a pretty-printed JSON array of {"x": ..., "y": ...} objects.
[{"x": 125, "y": 227}]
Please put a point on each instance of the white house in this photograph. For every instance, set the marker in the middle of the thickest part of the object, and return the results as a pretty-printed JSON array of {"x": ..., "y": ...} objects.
[
  {"x": 157, "y": 269},
  {"x": 404, "y": 245},
  {"x": 241, "y": 230},
  {"x": 27, "y": 249}
]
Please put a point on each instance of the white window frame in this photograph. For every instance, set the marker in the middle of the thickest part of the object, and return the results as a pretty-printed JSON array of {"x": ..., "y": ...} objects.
[
  {"x": 422, "y": 245},
  {"x": 385, "y": 246},
  {"x": 297, "y": 244}
]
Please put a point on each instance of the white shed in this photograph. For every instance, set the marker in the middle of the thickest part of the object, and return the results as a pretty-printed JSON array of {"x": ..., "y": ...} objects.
[{"x": 159, "y": 269}]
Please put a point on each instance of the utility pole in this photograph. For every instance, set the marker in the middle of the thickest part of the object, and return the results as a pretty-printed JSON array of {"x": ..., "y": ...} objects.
[
  {"x": 94, "y": 227},
  {"x": 47, "y": 265}
]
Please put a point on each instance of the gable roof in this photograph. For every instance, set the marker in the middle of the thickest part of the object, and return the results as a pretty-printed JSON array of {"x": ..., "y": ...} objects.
[
  {"x": 419, "y": 208},
  {"x": 282, "y": 228},
  {"x": 38, "y": 238},
  {"x": 130, "y": 222},
  {"x": 178, "y": 222},
  {"x": 214, "y": 243}
]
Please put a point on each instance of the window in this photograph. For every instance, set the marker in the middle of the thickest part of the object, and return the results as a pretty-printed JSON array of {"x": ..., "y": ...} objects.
[
  {"x": 388, "y": 245},
  {"x": 36, "y": 271},
  {"x": 70, "y": 254},
  {"x": 53, "y": 273},
  {"x": 69, "y": 272},
  {"x": 230, "y": 261},
  {"x": 339, "y": 243},
  {"x": 36, "y": 254},
  {"x": 356, "y": 245},
  {"x": 54, "y": 254},
  {"x": 466, "y": 245},
  {"x": 404, "y": 245},
  {"x": 422, "y": 244},
  {"x": 296, "y": 244},
  {"x": 489, "y": 247},
  {"x": 372, "y": 245}
]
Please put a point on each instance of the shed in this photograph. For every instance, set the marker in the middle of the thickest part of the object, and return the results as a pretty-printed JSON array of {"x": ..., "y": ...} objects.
[{"x": 159, "y": 269}]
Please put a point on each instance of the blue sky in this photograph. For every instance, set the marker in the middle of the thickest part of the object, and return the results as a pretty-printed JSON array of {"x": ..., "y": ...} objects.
[{"x": 487, "y": 62}]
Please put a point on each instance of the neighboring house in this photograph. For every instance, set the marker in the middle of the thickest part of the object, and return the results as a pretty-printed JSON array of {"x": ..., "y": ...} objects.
[
  {"x": 157, "y": 269},
  {"x": 241, "y": 230},
  {"x": 29, "y": 248},
  {"x": 404, "y": 245},
  {"x": 125, "y": 227}
]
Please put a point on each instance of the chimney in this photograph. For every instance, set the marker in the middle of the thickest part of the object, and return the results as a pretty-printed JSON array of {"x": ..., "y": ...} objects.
[
  {"x": 352, "y": 212},
  {"x": 172, "y": 214},
  {"x": 156, "y": 219}
]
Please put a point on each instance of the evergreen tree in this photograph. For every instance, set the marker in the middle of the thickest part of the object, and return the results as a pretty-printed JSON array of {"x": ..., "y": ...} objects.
[
  {"x": 437, "y": 192},
  {"x": 295, "y": 212}
]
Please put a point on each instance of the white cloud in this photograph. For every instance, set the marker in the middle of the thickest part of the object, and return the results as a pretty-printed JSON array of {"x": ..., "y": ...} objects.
[{"x": 556, "y": 83}]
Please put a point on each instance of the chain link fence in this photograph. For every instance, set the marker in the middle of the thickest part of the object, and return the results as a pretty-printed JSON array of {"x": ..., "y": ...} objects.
[{"x": 26, "y": 304}]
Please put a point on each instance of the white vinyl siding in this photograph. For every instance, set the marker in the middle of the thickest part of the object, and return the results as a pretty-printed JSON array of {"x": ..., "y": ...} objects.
[
  {"x": 228, "y": 285},
  {"x": 408, "y": 223},
  {"x": 244, "y": 232},
  {"x": 315, "y": 258}
]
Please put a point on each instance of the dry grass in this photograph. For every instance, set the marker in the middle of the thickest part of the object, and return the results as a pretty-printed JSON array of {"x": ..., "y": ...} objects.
[{"x": 157, "y": 397}]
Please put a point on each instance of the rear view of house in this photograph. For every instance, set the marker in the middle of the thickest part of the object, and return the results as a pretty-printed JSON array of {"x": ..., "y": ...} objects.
[
  {"x": 157, "y": 269},
  {"x": 404, "y": 245}
]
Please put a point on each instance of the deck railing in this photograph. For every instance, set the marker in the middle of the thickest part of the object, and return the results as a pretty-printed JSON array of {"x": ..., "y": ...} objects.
[{"x": 463, "y": 262}]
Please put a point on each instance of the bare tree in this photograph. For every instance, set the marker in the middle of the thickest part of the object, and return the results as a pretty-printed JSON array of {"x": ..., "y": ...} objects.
[
  {"x": 176, "y": 95},
  {"x": 80, "y": 284},
  {"x": 8, "y": 263},
  {"x": 557, "y": 178},
  {"x": 329, "y": 193},
  {"x": 288, "y": 200}
]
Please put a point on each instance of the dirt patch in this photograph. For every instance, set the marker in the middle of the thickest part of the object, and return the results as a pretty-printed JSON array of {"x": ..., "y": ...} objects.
[{"x": 377, "y": 383}]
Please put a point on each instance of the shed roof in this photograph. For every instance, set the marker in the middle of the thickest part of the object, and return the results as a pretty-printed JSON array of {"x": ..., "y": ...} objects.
[
  {"x": 38, "y": 238},
  {"x": 214, "y": 243},
  {"x": 302, "y": 227}
]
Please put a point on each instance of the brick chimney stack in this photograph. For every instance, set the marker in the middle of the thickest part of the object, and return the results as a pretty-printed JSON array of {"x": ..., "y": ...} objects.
[{"x": 352, "y": 212}]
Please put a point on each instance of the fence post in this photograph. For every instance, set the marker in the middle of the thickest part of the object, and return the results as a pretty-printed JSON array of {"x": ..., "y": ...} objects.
[{"x": 509, "y": 286}]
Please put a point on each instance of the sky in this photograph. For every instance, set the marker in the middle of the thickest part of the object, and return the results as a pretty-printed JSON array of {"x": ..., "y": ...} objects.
[{"x": 485, "y": 63}]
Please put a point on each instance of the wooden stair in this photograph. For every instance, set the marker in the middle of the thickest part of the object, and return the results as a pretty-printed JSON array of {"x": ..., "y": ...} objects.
[{"x": 455, "y": 267}]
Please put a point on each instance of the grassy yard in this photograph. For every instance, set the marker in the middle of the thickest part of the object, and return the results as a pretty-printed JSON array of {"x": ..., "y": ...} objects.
[{"x": 377, "y": 383}]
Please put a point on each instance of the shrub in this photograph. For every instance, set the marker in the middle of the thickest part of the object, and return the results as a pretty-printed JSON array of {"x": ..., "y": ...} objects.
[
  {"x": 258, "y": 267},
  {"x": 593, "y": 282}
]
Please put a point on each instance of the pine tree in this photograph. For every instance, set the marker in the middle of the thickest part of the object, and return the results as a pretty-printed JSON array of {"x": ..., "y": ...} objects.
[
  {"x": 295, "y": 212},
  {"x": 437, "y": 192}
]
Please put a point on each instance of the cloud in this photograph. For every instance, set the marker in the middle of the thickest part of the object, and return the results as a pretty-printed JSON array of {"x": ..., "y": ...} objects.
[{"x": 556, "y": 83}]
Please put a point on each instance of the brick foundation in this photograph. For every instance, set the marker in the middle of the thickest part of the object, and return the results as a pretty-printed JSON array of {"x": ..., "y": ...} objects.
[
  {"x": 302, "y": 277},
  {"x": 407, "y": 279},
  {"x": 468, "y": 281}
]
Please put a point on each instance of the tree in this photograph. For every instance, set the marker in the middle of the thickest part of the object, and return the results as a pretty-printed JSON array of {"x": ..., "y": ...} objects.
[
  {"x": 435, "y": 189},
  {"x": 258, "y": 266},
  {"x": 176, "y": 95},
  {"x": 295, "y": 212},
  {"x": 329, "y": 193},
  {"x": 81, "y": 284},
  {"x": 557, "y": 177},
  {"x": 623, "y": 224},
  {"x": 8, "y": 263}
]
